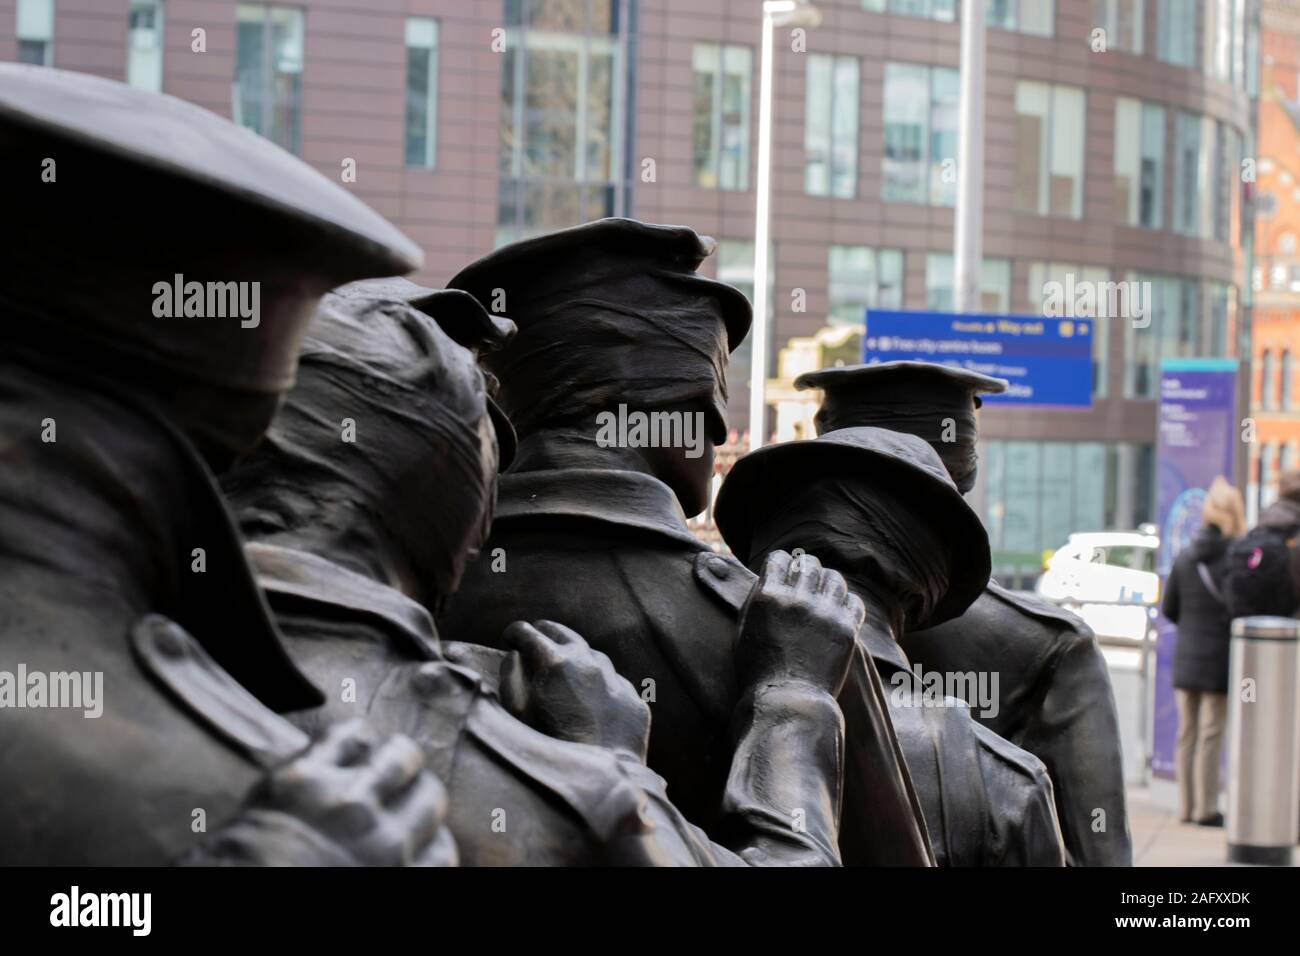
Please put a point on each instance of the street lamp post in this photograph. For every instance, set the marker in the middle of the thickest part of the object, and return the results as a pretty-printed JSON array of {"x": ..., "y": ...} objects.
[
  {"x": 775, "y": 13},
  {"x": 968, "y": 240}
]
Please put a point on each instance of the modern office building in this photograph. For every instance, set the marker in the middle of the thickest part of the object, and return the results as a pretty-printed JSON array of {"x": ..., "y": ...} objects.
[{"x": 1115, "y": 134}]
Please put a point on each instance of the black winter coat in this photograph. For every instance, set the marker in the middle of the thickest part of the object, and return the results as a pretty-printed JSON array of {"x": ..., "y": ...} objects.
[{"x": 1201, "y": 651}]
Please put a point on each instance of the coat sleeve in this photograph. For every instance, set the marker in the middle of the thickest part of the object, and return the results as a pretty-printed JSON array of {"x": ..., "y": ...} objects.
[
  {"x": 1169, "y": 604},
  {"x": 783, "y": 794},
  {"x": 881, "y": 822},
  {"x": 1077, "y": 738}
]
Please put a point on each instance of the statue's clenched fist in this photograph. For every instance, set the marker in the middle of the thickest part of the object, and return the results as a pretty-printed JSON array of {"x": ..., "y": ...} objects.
[
  {"x": 799, "y": 623},
  {"x": 366, "y": 793},
  {"x": 555, "y": 682}
]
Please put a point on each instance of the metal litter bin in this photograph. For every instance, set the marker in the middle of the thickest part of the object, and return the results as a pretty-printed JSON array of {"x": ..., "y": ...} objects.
[{"x": 1263, "y": 815}]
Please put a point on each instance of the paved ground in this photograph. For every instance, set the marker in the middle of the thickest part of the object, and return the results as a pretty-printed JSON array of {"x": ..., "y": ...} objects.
[{"x": 1160, "y": 840}]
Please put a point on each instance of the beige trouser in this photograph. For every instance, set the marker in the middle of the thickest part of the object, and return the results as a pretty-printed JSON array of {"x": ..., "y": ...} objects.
[{"x": 1201, "y": 718}]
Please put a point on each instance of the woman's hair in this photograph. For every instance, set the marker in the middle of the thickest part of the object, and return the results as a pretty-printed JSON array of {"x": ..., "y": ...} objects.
[
  {"x": 1288, "y": 486},
  {"x": 1224, "y": 508}
]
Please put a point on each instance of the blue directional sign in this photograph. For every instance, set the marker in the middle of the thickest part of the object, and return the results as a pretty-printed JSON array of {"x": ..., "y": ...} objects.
[{"x": 1047, "y": 361}]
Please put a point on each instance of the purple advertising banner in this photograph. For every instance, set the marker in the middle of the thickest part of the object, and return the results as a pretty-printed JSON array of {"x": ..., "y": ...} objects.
[{"x": 1196, "y": 442}]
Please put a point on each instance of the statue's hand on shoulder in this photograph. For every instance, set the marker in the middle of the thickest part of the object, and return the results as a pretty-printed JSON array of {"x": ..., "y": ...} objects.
[
  {"x": 799, "y": 623},
  {"x": 556, "y": 683},
  {"x": 366, "y": 794}
]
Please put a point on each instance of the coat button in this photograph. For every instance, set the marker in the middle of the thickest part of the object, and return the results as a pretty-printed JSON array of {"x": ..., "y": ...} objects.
[
  {"x": 168, "y": 642},
  {"x": 430, "y": 680}
]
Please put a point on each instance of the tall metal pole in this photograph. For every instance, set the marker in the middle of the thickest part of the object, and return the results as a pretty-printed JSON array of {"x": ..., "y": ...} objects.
[
  {"x": 968, "y": 239},
  {"x": 762, "y": 223}
]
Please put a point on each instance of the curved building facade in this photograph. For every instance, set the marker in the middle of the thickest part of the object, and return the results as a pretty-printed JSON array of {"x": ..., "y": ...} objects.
[
  {"x": 1115, "y": 137},
  {"x": 1112, "y": 156}
]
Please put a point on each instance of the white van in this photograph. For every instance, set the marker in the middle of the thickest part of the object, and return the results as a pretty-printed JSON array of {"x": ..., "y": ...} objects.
[{"x": 1109, "y": 579}]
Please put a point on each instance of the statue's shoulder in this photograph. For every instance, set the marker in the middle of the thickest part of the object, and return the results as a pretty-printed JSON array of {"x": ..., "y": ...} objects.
[
  {"x": 128, "y": 750},
  {"x": 1020, "y": 791},
  {"x": 1037, "y": 607},
  {"x": 175, "y": 661},
  {"x": 724, "y": 579},
  {"x": 1015, "y": 759}
]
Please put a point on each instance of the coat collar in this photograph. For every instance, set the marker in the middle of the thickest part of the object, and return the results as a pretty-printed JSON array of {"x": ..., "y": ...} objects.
[
  {"x": 289, "y": 575},
  {"x": 625, "y": 499}
]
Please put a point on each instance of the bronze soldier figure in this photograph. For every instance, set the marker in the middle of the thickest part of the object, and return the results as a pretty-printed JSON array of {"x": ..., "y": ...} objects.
[
  {"x": 616, "y": 327},
  {"x": 1055, "y": 695},
  {"x": 879, "y": 507},
  {"x": 348, "y": 534},
  {"x": 127, "y": 372}
]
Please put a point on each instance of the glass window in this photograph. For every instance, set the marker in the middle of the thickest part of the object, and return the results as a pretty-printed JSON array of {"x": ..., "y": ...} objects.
[
  {"x": 907, "y": 108},
  {"x": 1025, "y": 16},
  {"x": 1237, "y": 51},
  {"x": 36, "y": 32},
  {"x": 1224, "y": 39},
  {"x": 1266, "y": 380},
  {"x": 1001, "y": 14},
  {"x": 1139, "y": 162},
  {"x": 722, "y": 75},
  {"x": 1021, "y": 515},
  {"x": 268, "y": 72},
  {"x": 992, "y": 466},
  {"x": 862, "y": 278},
  {"x": 920, "y": 112},
  {"x": 1143, "y": 345},
  {"x": 563, "y": 80},
  {"x": 1089, "y": 487},
  {"x": 421, "y": 91},
  {"x": 1176, "y": 32},
  {"x": 1250, "y": 58},
  {"x": 1055, "y": 494},
  {"x": 1049, "y": 149},
  {"x": 1181, "y": 337},
  {"x": 1191, "y": 174},
  {"x": 144, "y": 45},
  {"x": 1267, "y": 475},
  {"x": 1219, "y": 303},
  {"x": 1036, "y": 493},
  {"x": 995, "y": 284},
  {"x": 831, "y": 126},
  {"x": 1130, "y": 484},
  {"x": 1174, "y": 332},
  {"x": 934, "y": 9},
  {"x": 1227, "y": 163},
  {"x": 1123, "y": 21},
  {"x": 1285, "y": 371}
]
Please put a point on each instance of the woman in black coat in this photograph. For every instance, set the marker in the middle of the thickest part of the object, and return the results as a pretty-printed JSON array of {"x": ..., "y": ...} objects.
[{"x": 1193, "y": 601}]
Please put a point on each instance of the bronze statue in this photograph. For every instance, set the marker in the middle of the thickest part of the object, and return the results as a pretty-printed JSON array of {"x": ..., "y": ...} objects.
[
  {"x": 348, "y": 534},
  {"x": 616, "y": 384},
  {"x": 879, "y": 507},
  {"x": 127, "y": 371},
  {"x": 1055, "y": 698}
]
